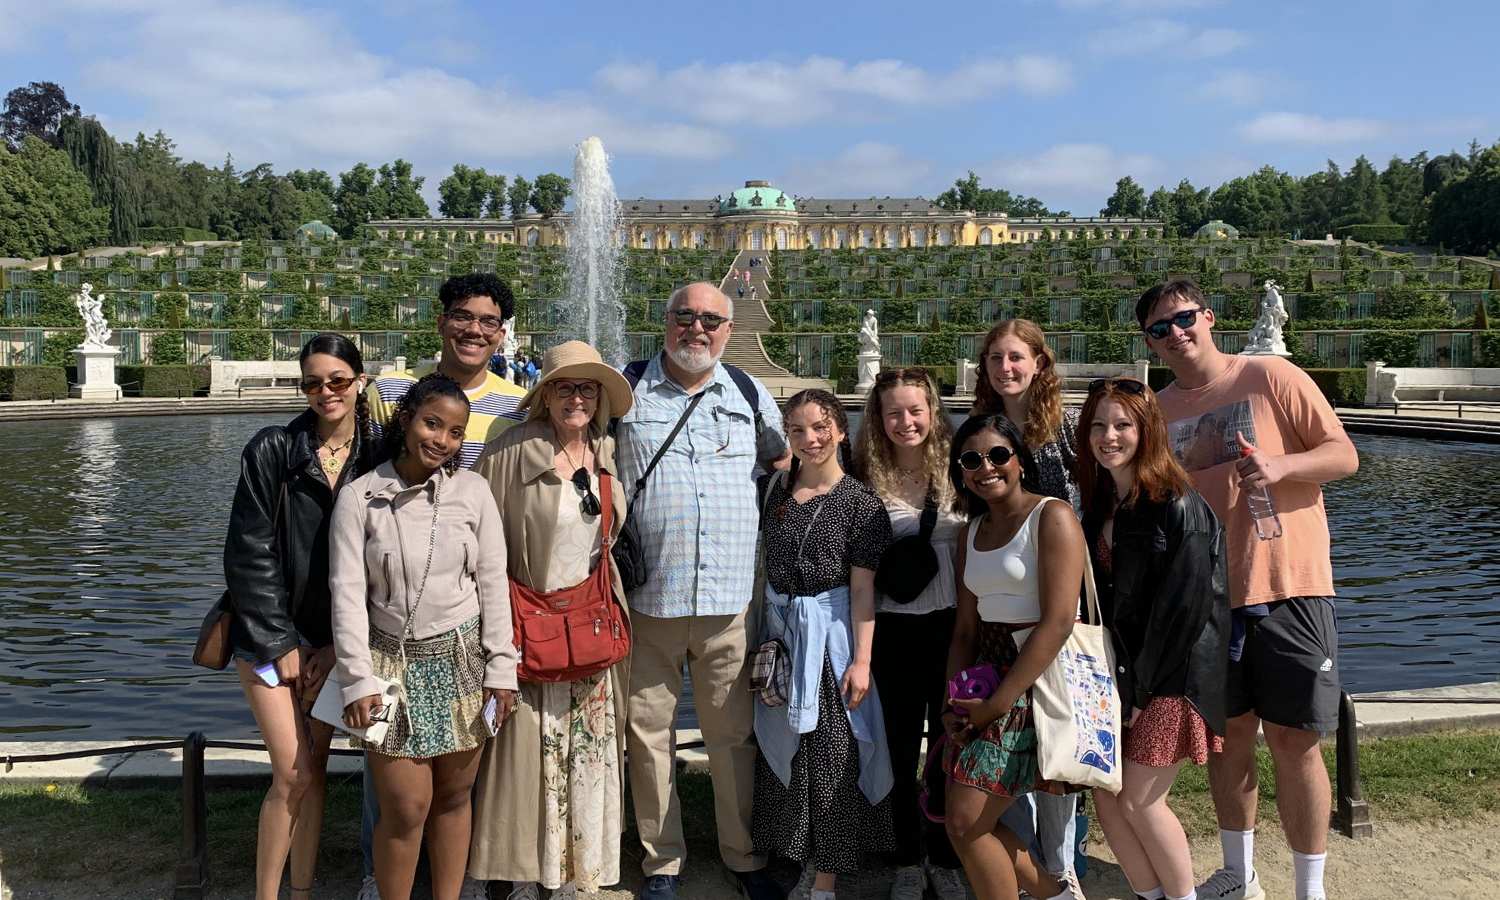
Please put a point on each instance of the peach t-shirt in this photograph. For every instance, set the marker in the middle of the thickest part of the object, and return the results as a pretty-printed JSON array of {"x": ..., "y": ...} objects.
[{"x": 1280, "y": 410}]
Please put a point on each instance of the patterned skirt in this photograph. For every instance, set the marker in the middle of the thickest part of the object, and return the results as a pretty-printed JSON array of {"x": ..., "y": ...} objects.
[
  {"x": 1002, "y": 759},
  {"x": 442, "y": 693},
  {"x": 1168, "y": 731}
]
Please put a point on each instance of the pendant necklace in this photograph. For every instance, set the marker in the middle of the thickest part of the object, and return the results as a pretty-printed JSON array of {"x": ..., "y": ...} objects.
[{"x": 332, "y": 464}]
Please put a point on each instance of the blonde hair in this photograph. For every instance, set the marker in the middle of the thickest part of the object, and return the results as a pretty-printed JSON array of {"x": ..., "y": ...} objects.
[
  {"x": 1044, "y": 408},
  {"x": 875, "y": 458}
]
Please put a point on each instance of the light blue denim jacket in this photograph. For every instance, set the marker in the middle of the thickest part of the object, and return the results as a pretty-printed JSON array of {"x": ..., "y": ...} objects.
[{"x": 809, "y": 626}]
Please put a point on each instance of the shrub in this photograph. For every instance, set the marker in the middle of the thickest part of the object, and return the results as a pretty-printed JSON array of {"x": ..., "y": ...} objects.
[
  {"x": 250, "y": 344},
  {"x": 164, "y": 381},
  {"x": 1373, "y": 234},
  {"x": 1342, "y": 387},
  {"x": 32, "y": 382},
  {"x": 422, "y": 345},
  {"x": 57, "y": 349},
  {"x": 182, "y": 235},
  {"x": 168, "y": 348},
  {"x": 1398, "y": 349},
  {"x": 1489, "y": 347}
]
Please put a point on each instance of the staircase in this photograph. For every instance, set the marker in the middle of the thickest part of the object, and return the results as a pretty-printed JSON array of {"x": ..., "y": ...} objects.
[{"x": 750, "y": 319}]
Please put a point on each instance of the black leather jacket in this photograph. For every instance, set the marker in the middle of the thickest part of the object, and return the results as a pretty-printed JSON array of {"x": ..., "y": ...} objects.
[
  {"x": 277, "y": 566},
  {"x": 1167, "y": 603}
]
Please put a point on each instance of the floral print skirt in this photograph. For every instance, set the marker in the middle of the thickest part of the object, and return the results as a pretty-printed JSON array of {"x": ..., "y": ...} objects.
[
  {"x": 442, "y": 693},
  {"x": 1002, "y": 759}
]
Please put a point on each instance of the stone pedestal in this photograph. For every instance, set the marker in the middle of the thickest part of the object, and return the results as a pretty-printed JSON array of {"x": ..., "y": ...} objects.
[
  {"x": 869, "y": 368},
  {"x": 96, "y": 374}
]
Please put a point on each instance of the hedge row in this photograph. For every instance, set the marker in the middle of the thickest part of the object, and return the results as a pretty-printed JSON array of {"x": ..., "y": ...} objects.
[
  {"x": 32, "y": 382},
  {"x": 1374, "y": 234},
  {"x": 177, "y": 234},
  {"x": 164, "y": 381}
]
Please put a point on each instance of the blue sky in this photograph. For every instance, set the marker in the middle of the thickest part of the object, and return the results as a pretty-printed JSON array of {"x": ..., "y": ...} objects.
[{"x": 1053, "y": 98}]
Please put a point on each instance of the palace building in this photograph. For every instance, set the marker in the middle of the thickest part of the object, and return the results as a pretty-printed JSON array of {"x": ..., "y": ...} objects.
[{"x": 761, "y": 217}]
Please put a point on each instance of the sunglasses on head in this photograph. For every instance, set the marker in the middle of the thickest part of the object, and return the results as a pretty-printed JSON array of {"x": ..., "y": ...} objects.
[
  {"x": 684, "y": 318},
  {"x": 1183, "y": 318},
  {"x": 998, "y": 456},
  {"x": 894, "y": 375},
  {"x": 1128, "y": 385},
  {"x": 337, "y": 385},
  {"x": 590, "y": 503}
]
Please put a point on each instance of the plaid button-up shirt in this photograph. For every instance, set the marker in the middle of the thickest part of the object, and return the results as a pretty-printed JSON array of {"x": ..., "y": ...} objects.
[{"x": 697, "y": 514}]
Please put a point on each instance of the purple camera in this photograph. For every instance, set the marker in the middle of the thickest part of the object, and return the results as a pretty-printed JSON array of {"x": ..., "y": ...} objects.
[{"x": 977, "y": 682}]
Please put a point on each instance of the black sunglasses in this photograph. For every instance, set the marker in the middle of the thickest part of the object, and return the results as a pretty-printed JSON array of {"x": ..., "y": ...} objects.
[
  {"x": 685, "y": 317},
  {"x": 890, "y": 376},
  {"x": 1183, "y": 319},
  {"x": 1128, "y": 385},
  {"x": 590, "y": 504},
  {"x": 998, "y": 456},
  {"x": 337, "y": 385}
]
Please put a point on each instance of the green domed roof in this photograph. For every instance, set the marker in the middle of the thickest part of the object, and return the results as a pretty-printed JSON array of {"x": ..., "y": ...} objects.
[
  {"x": 316, "y": 229},
  {"x": 757, "y": 197},
  {"x": 1219, "y": 230}
]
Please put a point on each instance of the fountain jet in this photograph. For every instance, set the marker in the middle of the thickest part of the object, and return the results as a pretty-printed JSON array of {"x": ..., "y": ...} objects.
[{"x": 594, "y": 312}]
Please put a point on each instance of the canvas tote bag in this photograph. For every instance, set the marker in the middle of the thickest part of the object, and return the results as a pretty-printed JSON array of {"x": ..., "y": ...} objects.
[{"x": 1076, "y": 704}]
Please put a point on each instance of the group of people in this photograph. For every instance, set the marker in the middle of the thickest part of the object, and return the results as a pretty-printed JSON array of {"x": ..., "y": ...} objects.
[{"x": 386, "y": 534}]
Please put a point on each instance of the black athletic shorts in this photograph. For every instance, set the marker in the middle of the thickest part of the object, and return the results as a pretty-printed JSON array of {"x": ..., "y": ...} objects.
[{"x": 1288, "y": 673}]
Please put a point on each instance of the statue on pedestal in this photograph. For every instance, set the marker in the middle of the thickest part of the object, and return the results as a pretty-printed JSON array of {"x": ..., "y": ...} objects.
[
  {"x": 1265, "y": 338},
  {"x": 96, "y": 329},
  {"x": 509, "y": 347},
  {"x": 869, "y": 352}
]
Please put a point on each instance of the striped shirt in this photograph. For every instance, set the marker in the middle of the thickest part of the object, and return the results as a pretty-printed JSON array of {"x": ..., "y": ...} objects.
[
  {"x": 697, "y": 513},
  {"x": 492, "y": 408}
]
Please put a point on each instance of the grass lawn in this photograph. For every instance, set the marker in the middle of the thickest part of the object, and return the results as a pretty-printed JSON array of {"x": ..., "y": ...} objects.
[{"x": 66, "y": 831}]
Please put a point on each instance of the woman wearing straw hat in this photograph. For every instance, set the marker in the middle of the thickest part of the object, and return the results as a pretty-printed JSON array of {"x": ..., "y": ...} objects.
[{"x": 549, "y": 810}]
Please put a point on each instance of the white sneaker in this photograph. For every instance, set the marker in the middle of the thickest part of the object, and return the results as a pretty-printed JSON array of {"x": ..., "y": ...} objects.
[
  {"x": 1071, "y": 878},
  {"x": 803, "y": 890},
  {"x": 1226, "y": 884},
  {"x": 523, "y": 890},
  {"x": 568, "y": 891},
  {"x": 473, "y": 890},
  {"x": 908, "y": 883},
  {"x": 368, "y": 890},
  {"x": 947, "y": 884}
]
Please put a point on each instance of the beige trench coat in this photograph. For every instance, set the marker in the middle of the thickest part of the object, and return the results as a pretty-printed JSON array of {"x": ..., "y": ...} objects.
[{"x": 508, "y": 804}]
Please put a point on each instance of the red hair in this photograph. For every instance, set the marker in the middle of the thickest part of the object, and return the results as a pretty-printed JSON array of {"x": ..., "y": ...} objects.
[{"x": 1158, "y": 475}]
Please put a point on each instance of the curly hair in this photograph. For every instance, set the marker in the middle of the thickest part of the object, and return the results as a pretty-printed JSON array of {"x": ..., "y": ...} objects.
[
  {"x": 435, "y": 384},
  {"x": 831, "y": 408},
  {"x": 479, "y": 284},
  {"x": 966, "y": 501},
  {"x": 1044, "y": 408},
  {"x": 875, "y": 458}
]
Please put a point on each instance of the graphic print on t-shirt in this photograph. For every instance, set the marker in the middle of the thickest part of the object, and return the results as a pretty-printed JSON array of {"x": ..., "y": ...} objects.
[{"x": 1205, "y": 441}]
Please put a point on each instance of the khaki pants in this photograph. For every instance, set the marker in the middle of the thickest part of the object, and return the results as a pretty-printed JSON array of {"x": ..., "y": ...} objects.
[{"x": 716, "y": 650}]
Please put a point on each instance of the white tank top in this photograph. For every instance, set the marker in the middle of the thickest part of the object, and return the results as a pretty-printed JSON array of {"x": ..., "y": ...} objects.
[{"x": 1005, "y": 579}]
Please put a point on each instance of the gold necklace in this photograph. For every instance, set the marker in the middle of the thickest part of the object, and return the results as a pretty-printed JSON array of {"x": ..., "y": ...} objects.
[
  {"x": 332, "y": 464},
  {"x": 585, "y": 456}
]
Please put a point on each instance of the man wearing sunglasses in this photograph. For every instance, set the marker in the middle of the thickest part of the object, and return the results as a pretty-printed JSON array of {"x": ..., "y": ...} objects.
[
  {"x": 1278, "y": 433},
  {"x": 476, "y": 309},
  {"x": 698, "y": 521}
]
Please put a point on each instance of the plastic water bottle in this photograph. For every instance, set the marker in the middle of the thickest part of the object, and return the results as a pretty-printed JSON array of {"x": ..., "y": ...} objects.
[{"x": 1267, "y": 523}]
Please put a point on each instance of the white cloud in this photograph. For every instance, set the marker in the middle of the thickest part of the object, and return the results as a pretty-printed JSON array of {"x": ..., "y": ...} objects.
[
  {"x": 774, "y": 94},
  {"x": 1176, "y": 39},
  {"x": 1241, "y": 88},
  {"x": 868, "y": 169},
  {"x": 1068, "y": 175},
  {"x": 1302, "y": 128}
]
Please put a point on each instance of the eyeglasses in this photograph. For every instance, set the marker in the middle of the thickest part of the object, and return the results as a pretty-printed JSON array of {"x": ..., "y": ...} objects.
[
  {"x": 894, "y": 375},
  {"x": 998, "y": 456},
  {"x": 1128, "y": 385},
  {"x": 684, "y": 318},
  {"x": 1183, "y": 319},
  {"x": 463, "y": 319},
  {"x": 590, "y": 504},
  {"x": 337, "y": 385},
  {"x": 588, "y": 390}
]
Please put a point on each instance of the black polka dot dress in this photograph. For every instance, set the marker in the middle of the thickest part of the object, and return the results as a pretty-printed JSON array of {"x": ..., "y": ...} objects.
[{"x": 822, "y": 816}]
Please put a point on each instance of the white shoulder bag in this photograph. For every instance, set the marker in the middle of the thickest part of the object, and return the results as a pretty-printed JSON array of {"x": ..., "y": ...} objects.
[{"x": 1076, "y": 703}]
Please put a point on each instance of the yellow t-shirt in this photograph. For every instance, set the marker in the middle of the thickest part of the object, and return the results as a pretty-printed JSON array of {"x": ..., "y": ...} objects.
[
  {"x": 1279, "y": 410},
  {"x": 492, "y": 407}
]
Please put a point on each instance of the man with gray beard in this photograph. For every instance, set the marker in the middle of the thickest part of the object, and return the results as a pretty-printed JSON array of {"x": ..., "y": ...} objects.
[{"x": 698, "y": 521}]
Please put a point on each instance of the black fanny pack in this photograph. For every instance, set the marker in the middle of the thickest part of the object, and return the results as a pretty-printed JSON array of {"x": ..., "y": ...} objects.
[{"x": 910, "y": 563}]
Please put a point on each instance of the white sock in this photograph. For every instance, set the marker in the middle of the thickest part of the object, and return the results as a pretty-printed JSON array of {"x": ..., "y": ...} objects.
[
  {"x": 1190, "y": 895},
  {"x": 1239, "y": 852},
  {"x": 1309, "y": 871},
  {"x": 1155, "y": 893},
  {"x": 820, "y": 894}
]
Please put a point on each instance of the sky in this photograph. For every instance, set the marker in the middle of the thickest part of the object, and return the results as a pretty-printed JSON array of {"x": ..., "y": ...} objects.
[{"x": 1050, "y": 98}]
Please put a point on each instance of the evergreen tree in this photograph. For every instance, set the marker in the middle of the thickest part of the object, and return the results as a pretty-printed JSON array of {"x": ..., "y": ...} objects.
[
  {"x": 111, "y": 176},
  {"x": 519, "y": 195},
  {"x": 1129, "y": 199}
]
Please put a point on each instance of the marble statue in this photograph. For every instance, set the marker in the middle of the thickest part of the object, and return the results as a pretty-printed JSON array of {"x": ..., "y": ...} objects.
[
  {"x": 1265, "y": 338},
  {"x": 96, "y": 330},
  {"x": 509, "y": 347},
  {"x": 869, "y": 333}
]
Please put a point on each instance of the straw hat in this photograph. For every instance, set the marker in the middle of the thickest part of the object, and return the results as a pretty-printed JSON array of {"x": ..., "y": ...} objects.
[{"x": 577, "y": 360}]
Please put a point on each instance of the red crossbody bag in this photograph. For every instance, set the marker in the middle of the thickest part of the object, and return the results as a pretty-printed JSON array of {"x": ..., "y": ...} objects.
[{"x": 577, "y": 631}]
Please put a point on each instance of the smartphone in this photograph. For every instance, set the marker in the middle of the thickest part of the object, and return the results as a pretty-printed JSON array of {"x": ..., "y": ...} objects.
[
  {"x": 267, "y": 673},
  {"x": 491, "y": 713}
]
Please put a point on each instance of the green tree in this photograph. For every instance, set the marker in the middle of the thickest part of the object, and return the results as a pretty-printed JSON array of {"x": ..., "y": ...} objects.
[
  {"x": 549, "y": 193},
  {"x": 46, "y": 205},
  {"x": 356, "y": 201},
  {"x": 1260, "y": 203},
  {"x": 1363, "y": 196},
  {"x": 1441, "y": 170},
  {"x": 1129, "y": 199},
  {"x": 36, "y": 110},
  {"x": 317, "y": 190},
  {"x": 967, "y": 193},
  {"x": 112, "y": 177},
  {"x": 519, "y": 194},
  {"x": 1189, "y": 208},
  {"x": 1465, "y": 212},
  {"x": 268, "y": 205},
  {"x": 402, "y": 191},
  {"x": 494, "y": 204},
  {"x": 462, "y": 194},
  {"x": 1402, "y": 180}
]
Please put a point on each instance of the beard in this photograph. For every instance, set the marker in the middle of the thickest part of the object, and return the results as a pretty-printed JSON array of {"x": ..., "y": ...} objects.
[{"x": 694, "y": 358}]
